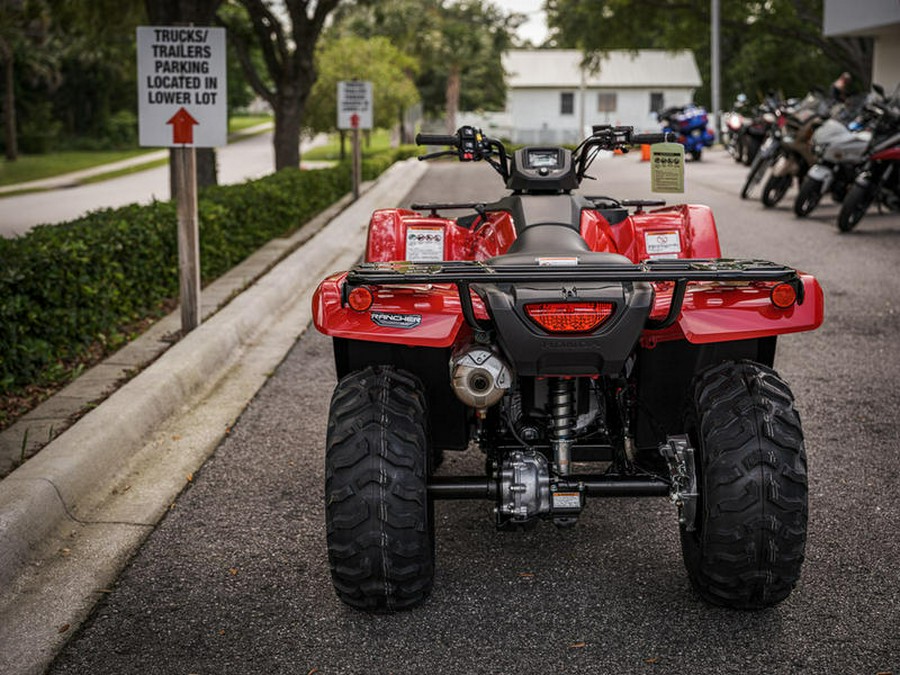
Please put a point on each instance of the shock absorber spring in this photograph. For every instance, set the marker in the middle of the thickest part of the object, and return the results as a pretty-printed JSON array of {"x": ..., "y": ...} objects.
[{"x": 562, "y": 419}]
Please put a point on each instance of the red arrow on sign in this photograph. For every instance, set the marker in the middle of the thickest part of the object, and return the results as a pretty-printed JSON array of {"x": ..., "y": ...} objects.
[
  {"x": 182, "y": 127},
  {"x": 354, "y": 121}
]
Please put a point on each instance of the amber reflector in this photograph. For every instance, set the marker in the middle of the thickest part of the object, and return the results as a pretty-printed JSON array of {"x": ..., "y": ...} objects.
[
  {"x": 783, "y": 296},
  {"x": 360, "y": 298},
  {"x": 569, "y": 317}
]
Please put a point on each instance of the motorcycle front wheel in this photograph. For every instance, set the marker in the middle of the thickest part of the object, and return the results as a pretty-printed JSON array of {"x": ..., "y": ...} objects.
[
  {"x": 808, "y": 197},
  {"x": 751, "y": 149},
  {"x": 754, "y": 178},
  {"x": 775, "y": 189},
  {"x": 854, "y": 206}
]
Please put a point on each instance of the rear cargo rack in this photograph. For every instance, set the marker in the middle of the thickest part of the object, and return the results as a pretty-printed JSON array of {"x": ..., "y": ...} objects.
[{"x": 679, "y": 271}]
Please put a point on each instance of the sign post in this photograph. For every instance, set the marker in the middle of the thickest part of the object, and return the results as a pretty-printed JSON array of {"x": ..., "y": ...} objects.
[
  {"x": 182, "y": 104},
  {"x": 354, "y": 112}
]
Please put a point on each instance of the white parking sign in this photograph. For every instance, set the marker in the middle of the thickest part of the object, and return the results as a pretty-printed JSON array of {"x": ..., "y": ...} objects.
[
  {"x": 354, "y": 99},
  {"x": 182, "y": 94}
]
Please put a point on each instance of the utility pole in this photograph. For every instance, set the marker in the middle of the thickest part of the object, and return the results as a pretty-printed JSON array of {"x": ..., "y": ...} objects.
[{"x": 714, "y": 58}]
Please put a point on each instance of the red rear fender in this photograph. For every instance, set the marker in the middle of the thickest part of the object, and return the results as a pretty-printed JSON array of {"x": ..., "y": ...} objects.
[
  {"x": 414, "y": 315},
  {"x": 740, "y": 313}
]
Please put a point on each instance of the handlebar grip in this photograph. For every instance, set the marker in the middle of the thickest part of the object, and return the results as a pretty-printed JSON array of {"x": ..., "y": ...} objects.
[
  {"x": 437, "y": 139},
  {"x": 650, "y": 139}
]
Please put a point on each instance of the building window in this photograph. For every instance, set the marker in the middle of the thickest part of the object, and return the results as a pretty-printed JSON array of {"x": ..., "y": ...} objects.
[
  {"x": 656, "y": 101},
  {"x": 567, "y": 103},
  {"x": 606, "y": 102}
]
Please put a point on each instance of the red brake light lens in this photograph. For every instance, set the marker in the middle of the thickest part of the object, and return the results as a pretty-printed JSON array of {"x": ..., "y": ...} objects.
[
  {"x": 783, "y": 296},
  {"x": 360, "y": 299},
  {"x": 569, "y": 317}
]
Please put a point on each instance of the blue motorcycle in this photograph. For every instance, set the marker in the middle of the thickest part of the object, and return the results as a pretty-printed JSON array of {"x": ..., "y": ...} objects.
[{"x": 690, "y": 123}]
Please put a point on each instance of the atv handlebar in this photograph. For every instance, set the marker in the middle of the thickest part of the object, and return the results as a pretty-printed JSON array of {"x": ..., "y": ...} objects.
[
  {"x": 470, "y": 145},
  {"x": 650, "y": 139},
  {"x": 437, "y": 139}
]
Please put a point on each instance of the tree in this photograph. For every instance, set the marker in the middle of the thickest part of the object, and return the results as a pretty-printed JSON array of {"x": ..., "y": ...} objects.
[
  {"x": 459, "y": 47},
  {"x": 24, "y": 30},
  {"x": 776, "y": 44},
  {"x": 288, "y": 44},
  {"x": 355, "y": 58}
]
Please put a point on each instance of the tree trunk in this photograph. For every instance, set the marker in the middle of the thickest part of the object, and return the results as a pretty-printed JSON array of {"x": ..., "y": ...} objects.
[
  {"x": 288, "y": 113},
  {"x": 207, "y": 171},
  {"x": 452, "y": 97},
  {"x": 9, "y": 104}
]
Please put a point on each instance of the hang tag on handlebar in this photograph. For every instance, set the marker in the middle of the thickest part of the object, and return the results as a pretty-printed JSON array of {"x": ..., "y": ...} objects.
[{"x": 667, "y": 167}]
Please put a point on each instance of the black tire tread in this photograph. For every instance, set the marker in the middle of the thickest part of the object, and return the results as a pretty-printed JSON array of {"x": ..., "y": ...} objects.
[
  {"x": 808, "y": 197},
  {"x": 757, "y": 171},
  {"x": 775, "y": 189},
  {"x": 749, "y": 547},
  {"x": 854, "y": 207},
  {"x": 379, "y": 529}
]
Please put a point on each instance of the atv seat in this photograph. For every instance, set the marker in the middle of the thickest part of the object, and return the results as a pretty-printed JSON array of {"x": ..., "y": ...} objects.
[{"x": 551, "y": 239}]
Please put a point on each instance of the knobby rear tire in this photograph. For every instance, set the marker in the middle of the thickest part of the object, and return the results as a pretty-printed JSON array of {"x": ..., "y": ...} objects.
[
  {"x": 748, "y": 548},
  {"x": 379, "y": 518}
]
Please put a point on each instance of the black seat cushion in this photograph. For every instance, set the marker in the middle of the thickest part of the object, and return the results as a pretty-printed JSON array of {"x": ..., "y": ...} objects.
[{"x": 549, "y": 240}]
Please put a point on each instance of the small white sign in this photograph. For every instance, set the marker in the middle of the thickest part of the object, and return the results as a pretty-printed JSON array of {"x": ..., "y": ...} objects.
[
  {"x": 557, "y": 261},
  {"x": 667, "y": 167},
  {"x": 182, "y": 92},
  {"x": 663, "y": 244},
  {"x": 566, "y": 500},
  {"x": 425, "y": 244},
  {"x": 354, "y": 105}
]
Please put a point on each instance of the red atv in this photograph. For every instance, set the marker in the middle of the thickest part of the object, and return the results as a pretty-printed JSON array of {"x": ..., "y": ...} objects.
[{"x": 557, "y": 333}]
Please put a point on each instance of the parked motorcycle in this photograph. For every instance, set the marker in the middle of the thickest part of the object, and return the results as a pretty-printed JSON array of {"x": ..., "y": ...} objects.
[
  {"x": 878, "y": 179},
  {"x": 765, "y": 158},
  {"x": 745, "y": 131},
  {"x": 794, "y": 154},
  {"x": 840, "y": 145},
  {"x": 690, "y": 123},
  {"x": 554, "y": 332},
  {"x": 839, "y": 153}
]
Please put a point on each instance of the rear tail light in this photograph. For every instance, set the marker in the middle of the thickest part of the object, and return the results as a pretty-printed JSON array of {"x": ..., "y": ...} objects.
[
  {"x": 783, "y": 296},
  {"x": 360, "y": 299},
  {"x": 569, "y": 317}
]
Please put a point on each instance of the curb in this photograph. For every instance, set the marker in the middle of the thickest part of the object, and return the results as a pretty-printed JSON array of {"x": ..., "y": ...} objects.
[
  {"x": 72, "y": 472},
  {"x": 49, "y": 420}
]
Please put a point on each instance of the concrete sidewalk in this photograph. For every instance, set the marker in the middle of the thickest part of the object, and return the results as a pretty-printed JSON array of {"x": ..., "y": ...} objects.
[{"x": 71, "y": 517}]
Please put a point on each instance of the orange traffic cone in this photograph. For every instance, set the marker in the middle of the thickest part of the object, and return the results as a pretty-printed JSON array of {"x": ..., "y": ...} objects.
[{"x": 645, "y": 153}]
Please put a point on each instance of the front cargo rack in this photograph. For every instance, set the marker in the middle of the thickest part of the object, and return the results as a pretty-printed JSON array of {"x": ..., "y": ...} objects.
[{"x": 679, "y": 271}]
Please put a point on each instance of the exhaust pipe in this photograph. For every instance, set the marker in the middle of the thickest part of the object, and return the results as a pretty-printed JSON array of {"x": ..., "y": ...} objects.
[{"x": 480, "y": 377}]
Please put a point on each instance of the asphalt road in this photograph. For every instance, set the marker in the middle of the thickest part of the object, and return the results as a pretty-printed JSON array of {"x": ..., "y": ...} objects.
[
  {"x": 243, "y": 160},
  {"x": 235, "y": 579}
]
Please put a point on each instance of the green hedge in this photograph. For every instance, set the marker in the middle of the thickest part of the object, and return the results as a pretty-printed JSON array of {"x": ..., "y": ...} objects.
[{"x": 66, "y": 287}]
